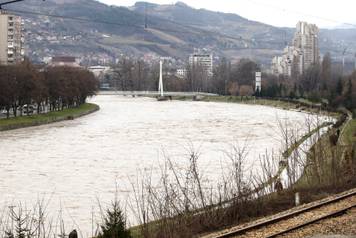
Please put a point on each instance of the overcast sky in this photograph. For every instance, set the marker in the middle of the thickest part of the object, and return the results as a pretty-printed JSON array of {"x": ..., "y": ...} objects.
[{"x": 324, "y": 13}]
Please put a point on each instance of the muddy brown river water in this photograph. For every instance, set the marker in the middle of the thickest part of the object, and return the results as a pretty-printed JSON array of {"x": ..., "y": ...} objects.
[{"x": 73, "y": 164}]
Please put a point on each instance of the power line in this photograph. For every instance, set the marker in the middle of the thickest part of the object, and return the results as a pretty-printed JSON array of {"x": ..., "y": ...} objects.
[
  {"x": 9, "y": 2},
  {"x": 284, "y": 10},
  {"x": 73, "y": 18},
  {"x": 146, "y": 25},
  {"x": 102, "y": 22},
  {"x": 194, "y": 30},
  {"x": 296, "y": 12},
  {"x": 300, "y": 13}
]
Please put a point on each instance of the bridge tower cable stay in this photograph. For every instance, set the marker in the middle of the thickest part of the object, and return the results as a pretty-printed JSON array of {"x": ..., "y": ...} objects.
[{"x": 160, "y": 86}]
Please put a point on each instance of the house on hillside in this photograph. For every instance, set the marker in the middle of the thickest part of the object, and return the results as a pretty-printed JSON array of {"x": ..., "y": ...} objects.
[{"x": 64, "y": 61}]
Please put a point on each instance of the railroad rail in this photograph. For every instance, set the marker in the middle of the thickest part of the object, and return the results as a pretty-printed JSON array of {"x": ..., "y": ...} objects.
[{"x": 272, "y": 227}]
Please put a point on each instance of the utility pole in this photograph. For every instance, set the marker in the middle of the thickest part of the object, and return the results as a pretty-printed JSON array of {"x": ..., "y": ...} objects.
[
  {"x": 343, "y": 61},
  {"x": 146, "y": 25},
  {"x": 355, "y": 60}
]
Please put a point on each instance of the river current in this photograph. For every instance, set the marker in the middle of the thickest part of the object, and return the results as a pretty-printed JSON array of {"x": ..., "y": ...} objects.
[{"x": 75, "y": 164}]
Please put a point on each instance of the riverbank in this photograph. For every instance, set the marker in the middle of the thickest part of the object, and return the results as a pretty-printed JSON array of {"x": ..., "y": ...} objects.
[
  {"x": 51, "y": 117},
  {"x": 296, "y": 105},
  {"x": 321, "y": 178},
  {"x": 273, "y": 202},
  {"x": 327, "y": 151}
]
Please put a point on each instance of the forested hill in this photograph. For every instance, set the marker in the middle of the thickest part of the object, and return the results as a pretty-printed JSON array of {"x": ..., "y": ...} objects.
[{"x": 171, "y": 30}]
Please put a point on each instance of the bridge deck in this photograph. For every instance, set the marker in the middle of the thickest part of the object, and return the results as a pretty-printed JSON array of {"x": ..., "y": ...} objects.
[{"x": 154, "y": 93}]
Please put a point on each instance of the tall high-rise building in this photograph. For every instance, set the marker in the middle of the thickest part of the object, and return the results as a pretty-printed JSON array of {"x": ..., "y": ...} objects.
[
  {"x": 11, "y": 38},
  {"x": 203, "y": 60},
  {"x": 307, "y": 41},
  {"x": 303, "y": 53}
]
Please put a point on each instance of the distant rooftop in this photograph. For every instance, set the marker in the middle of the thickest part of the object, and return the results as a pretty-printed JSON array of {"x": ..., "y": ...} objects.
[{"x": 67, "y": 59}]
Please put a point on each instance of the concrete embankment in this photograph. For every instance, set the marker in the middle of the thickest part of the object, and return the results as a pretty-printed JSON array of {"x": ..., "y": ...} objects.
[{"x": 51, "y": 117}]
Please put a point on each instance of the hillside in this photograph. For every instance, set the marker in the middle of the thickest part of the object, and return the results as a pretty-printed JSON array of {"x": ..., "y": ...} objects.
[
  {"x": 172, "y": 30},
  {"x": 263, "y": 37}
]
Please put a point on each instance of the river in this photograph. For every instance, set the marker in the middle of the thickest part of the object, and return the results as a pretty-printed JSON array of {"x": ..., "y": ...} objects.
[{"x": 73, "y": 164}]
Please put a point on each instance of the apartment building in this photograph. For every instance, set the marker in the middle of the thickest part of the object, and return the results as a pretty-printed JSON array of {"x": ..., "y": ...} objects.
[
  {"x": 11, "y": 38},
  {"x": 306, "y": 39},
  {"x": 203, "y": 60},
  {"x": 303, "y": 53}
]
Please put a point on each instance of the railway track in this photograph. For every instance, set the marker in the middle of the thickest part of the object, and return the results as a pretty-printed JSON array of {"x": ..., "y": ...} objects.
[{"x": 294, "y": 219}]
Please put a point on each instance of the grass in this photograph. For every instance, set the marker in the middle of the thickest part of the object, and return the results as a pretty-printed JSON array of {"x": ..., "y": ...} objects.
[
  {"x": 349, "y": 132},
  {"x": 349, "y": 135},
  {"x": 277, "y": 104},
  {"x": 41, "y": 119},
  {"x": 330, "y": 158},
  {"x": 275, "y": 201}
]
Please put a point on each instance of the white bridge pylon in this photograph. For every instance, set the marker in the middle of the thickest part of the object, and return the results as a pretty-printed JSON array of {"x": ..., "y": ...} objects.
[{"x": 160, "y": 86}]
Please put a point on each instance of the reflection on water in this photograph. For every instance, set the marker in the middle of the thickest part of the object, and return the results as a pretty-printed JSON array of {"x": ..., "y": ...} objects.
[{"x": 73, "y": 163}]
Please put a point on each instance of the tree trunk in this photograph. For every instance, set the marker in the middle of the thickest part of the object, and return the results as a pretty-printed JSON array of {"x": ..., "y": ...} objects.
[
  {"x": 38, "y": 108},
  {"x": 14, "y": 108}
]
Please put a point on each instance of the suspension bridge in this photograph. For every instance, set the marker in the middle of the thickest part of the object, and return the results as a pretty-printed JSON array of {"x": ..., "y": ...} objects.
[
  {"x": 155, "y": 93},
  {"x": 160, "y": 94}
]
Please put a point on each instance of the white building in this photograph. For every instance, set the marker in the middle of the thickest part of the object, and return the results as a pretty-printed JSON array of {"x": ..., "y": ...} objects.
[
  {"x": 306, "y": 39},
  {"x": 276, "y": 67},
  {"x": 181, "y": 73},
  {"x": 258, "y": 87},
  {"x": 99, "y": 71},
  {"x": 203, "y": 60},
  {"x": 11, "y": 38},
  {"x": 291, "y": 61},
  {"x": 301, "y": 55}
]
